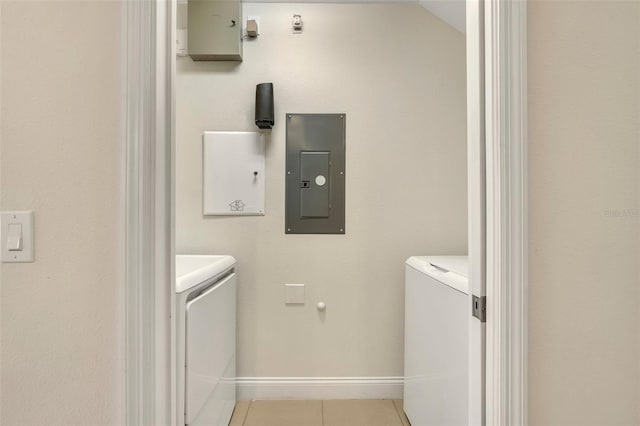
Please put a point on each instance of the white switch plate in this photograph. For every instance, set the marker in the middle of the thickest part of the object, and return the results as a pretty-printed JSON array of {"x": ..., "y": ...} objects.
[
  {"x": 24, "y": 218},
  {"x": 294, "y": 294},
  {"x": 182, "y": 42}
]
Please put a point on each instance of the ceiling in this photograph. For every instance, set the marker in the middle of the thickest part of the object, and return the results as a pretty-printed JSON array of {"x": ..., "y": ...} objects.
[{"x": 450, "y": 11}]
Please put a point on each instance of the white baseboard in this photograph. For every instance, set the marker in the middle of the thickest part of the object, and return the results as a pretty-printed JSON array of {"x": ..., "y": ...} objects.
[{"x": 249, "y": 388}]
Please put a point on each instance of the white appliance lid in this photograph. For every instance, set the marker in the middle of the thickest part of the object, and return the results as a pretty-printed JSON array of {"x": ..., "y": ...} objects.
[
  {"x": 192, "y": 270},
  {"x": 457, "y": 264},
  {"x": 449, "y": 270}
]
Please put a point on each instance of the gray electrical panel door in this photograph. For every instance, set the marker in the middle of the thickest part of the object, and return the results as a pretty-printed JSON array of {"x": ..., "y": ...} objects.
[
  {"x": 314, "y": 188},
  {"x": 315, "y": 195}
]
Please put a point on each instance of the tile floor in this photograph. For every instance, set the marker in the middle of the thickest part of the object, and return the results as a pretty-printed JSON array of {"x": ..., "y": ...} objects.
[{"x": 350, "y": 412}]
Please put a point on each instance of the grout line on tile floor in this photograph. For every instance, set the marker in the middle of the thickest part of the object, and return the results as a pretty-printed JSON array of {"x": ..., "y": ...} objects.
[
  {"x": 395, "y": 406},
  {"x": 246, "y": 413}
]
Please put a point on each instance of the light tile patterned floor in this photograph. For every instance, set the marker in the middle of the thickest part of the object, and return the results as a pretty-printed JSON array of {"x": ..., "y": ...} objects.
[{"x": 349, "y": 412}]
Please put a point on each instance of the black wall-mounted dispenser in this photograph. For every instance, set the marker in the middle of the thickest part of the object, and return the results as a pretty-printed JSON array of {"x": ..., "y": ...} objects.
[{"x": 264, "y": 106}]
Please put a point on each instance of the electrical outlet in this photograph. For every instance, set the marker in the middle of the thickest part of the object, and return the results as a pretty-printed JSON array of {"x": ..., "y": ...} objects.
[
  {"x": 253, "y": 18},
  {"x": 296, "y": 23}
]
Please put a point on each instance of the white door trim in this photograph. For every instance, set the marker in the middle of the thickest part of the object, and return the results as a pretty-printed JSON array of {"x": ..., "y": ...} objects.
[
  {"x": 476, "y": 182},
  {"x": 149, "y": 295},
  {"x": 149, "y": 211},
  {"x": 506, "y": 192}
]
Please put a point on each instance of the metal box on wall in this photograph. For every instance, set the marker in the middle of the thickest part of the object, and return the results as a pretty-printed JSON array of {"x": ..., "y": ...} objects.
[
  {"x": 215, "y": 30},
  {"x": 233, "y": 173},
  {"x": 315, "y": 179}
]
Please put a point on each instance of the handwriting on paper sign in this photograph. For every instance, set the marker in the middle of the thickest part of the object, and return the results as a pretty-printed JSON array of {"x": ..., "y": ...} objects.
[{"x": 237, "y": 206}]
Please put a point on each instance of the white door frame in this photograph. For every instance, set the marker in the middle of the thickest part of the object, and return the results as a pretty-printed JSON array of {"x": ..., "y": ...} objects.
[
  {"x": 150, "y": 48},
  {"x": 149, "y": 250},
  {"x": 505, "y": 31},
  {"x": 476, "y": 182}
]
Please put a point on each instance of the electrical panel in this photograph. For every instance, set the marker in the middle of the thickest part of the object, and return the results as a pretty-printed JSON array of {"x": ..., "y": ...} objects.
[
  {"x": 215, "y": 30},
  {"x": 315, "y": 174}
]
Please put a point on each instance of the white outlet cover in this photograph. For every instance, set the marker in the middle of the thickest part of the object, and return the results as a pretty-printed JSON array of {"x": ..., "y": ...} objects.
[
  {"x": 294, "y": 294},
  {"x": 24, "y": 218}
]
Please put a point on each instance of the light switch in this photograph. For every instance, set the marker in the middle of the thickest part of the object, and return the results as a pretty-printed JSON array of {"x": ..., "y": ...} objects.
[
  {"x": 14, "y": 240},
  {"x": 16, "y": 230}
]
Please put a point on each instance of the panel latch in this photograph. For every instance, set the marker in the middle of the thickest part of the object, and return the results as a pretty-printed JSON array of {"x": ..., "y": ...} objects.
[{"x": 479, "y": 307}]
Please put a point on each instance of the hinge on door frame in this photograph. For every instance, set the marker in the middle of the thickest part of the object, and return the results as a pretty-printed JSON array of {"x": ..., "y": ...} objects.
[{"x": 479, "y": 307}]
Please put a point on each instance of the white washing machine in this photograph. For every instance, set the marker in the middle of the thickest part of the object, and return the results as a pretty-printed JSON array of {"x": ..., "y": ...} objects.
[
  {"x": 437, "y": 310},
  {"x": 206, "y": 339}
]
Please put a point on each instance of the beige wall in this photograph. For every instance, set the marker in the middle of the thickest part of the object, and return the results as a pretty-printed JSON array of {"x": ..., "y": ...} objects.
[
  {"x": 62, "y": 339},
  {"x": 398, "y": 73},
  {"x": 584, "y": 177}
]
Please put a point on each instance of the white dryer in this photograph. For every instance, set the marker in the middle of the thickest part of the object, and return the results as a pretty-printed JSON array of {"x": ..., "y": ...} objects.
[
  {"x": 437, "y": 310},
  {"x": 206, "y": 339}
]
